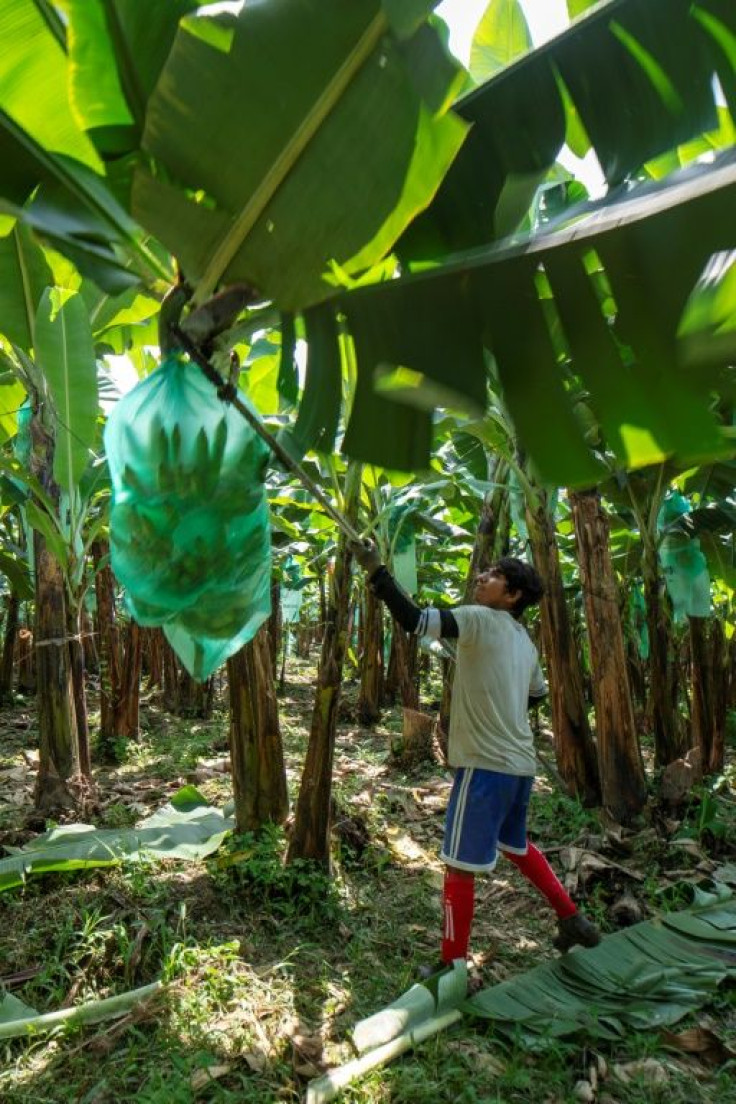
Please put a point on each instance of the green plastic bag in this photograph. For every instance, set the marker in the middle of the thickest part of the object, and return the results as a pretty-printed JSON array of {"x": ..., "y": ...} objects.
[
  {"x": 684, "y": 566},
  {"x": 189, "y": 531}
]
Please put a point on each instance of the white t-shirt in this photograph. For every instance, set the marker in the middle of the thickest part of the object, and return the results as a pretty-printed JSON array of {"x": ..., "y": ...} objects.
[{"x": 497, "y": 670}]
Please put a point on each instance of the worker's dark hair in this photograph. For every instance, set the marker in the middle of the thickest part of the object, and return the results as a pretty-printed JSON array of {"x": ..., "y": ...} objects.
[{"x": 521, "y": 576}]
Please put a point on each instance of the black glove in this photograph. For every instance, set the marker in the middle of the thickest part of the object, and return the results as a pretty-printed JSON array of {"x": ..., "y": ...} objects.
[{"x": 367, "y": 555}]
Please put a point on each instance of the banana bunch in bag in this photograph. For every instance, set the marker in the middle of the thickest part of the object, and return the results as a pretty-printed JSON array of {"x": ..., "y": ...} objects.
[{"x": 189, "y": 531}]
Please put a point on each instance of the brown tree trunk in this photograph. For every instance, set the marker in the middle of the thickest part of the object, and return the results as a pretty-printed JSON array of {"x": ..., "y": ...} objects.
[
  {"x": 194, "y": 699},
  {"x": 708, "y": 708},
  {"x": 27, "y": 681},
  {"x": 109, "y": 648},
  {"x": 126, "y": 720},
  {"x": 391, "y": 680},
  {"x": 256, "y": 751},
  {"x": 623, "y": 782},
  {"x": 275, "y": 624},
  {"x": 155, "y": 649},
  {"x": 59, "y": 750},
  {"x": 9, "y": 634},
  {"x": 669, "y": 741},
  {"x": 89, "y": 642},
  {"x": 371, "y": 659},
  {"x": 574, "y": 748},
  {"x": 171, "y": 677},
  {"x": 310, "y": 837},
  {"x": 407, "y": 647}
]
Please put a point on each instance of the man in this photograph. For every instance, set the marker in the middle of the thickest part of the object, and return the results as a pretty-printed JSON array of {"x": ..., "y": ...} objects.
[{"x": 490, "y": 745}]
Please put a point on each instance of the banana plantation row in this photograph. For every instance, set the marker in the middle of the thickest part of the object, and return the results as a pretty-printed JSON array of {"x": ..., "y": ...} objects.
[{"x": 658, "y": 673}]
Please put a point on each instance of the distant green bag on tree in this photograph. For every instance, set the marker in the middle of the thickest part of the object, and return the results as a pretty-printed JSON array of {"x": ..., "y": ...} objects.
[{"x": 189, "y": 531}]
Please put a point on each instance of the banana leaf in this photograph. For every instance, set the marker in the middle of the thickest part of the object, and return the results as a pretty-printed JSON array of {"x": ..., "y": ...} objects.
[
  {"x": 651, "y": 246},
  {"x": 187, "y": 828},
  {"x": 649, "y": 975},
  {"x": 637, "y": 73},
  {"x": 24, "y": 273},
  {"x": 65, "y": 353},
  {"x": 358, "y": 136}
]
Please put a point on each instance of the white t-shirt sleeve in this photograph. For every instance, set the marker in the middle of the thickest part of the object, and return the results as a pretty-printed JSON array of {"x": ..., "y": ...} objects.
[{"x": 468, "y": 620}]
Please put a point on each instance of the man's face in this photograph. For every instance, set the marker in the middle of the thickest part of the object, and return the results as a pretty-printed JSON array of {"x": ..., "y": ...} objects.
[{"x": 492, "y": 591}]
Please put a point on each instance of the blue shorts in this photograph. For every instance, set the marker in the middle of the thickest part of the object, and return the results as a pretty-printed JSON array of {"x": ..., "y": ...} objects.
[{"x": 486, "y": 814}]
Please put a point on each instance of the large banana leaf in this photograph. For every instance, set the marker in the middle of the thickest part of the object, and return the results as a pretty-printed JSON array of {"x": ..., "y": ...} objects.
[
  {"x": 644, "y": 977},
  {"x": 65, "y": 353},
  {"x": 650, "y": 246},
  {"x": 295, "y": 134},
  {"x": 117, "y": 49},
  {"x": 33, "y": 83},
  {"x": 72, "y": 208},
  {"x": 24, "y": 273},
  {"x": 637, "y": 73}
]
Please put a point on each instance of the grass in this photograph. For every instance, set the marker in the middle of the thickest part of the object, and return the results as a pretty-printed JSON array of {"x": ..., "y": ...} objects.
[{"x": 269, "y": 967}]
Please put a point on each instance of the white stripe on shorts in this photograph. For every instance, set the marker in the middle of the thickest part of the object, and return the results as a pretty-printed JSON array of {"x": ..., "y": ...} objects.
[{"x": 462, "y": 800}]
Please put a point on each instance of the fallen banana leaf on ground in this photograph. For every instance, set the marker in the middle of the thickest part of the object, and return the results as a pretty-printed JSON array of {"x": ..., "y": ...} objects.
[
  {"x": 186, "y": 828},
  {"x": 423, "y": 1011},
  {"x": 649, "y": 975},
  {"x": 17, "y": 1019}
]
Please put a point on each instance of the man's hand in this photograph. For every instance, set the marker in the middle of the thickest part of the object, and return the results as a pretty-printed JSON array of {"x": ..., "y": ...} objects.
[{"x": 367, "y": 555}]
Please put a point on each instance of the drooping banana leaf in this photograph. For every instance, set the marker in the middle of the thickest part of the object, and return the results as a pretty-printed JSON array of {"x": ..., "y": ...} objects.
[
  {"x": 65, "y": 353},
  {"x": 637, "y": 73},
  {"x": 74, "y": 210},
  {"x": 33, "y": 82},
  {"x": 650, "y": 246},
  {"x": 24, "y": 273},
  {"x": 293, "y": 134},
  {"x": 117, "y": 49}
]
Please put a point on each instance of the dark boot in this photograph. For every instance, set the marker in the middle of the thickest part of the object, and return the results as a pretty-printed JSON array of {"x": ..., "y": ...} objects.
[{"x": 576, "y": 929}]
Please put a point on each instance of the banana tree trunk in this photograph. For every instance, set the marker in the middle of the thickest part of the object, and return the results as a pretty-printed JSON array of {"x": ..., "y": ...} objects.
[
  {"x": 195, "y": 699},
  {"x": 708, "y": 708},
  {"x": 256, "y": 751},
  {"x": 76, "y": 665},
  {"x": 171, "y": 677},
  {"x": 371, "y": 662},
  {"x": 669, "y": 742},
  {"x": 155, "y": 654},
  {"x": 275, "y": 624},
  {"x": 574, "y": 748},
  {"x": 59, "y": 748},
  {"x": 623, "y": 782},
  {"x": 9, "y": 635},
  {"x": 407, "y": 648},
  {"x": 311, "y": 833},
  {"x": 126, "y": 717},
  {"x": 109, "y": 648}
]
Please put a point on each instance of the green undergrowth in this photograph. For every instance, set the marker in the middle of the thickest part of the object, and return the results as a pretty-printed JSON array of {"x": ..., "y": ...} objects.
[{"x": 268, "y": 967}]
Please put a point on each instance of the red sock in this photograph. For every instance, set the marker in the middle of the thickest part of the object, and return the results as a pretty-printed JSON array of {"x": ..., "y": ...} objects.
[
  {"x": 537, "y": 870},
  {"x": 457, "y": 901}
]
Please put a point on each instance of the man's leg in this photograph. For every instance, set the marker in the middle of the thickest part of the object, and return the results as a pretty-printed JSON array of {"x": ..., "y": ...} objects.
[
  {"x": 458, "y": 899},
  {"x": 573, "y": 927},
  {"x": 479, "y": 803},
  {"x": 537, "y": 870}
]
